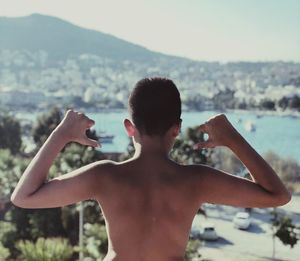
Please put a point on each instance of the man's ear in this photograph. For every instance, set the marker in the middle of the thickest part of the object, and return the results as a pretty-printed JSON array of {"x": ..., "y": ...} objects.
[
  {"x": 176, "y": 130},
  {"x": 129, "y": 127}
]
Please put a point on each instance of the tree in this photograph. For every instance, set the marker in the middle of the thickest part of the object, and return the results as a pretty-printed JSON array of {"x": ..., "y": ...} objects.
[
  {"x": 224, "y": 99},
  {"x": 4, "y": 252},
  {"x": 29, "y": 224},
  {"x": 50, "y": 249},
  {"x": 223, "y": 158},
  {"x": 183, "y": 151},
  {"x": 191, "y": 251},
  {"x": 10, "y": 134},
  {"x": 267, "y": 104},
  {"x": 195, "y": 102},
  {"x": 8, "y": 235},
  {"x": 287, "y": 169},
  {"x": 294, "y": 103},
  {"x": 96, "y": 241},
  {"x": 129, "y": 151},
  {"x": 283, "y": 102},
  {"x": 46, "y": 123},
  {"x": 283, "y": 228},
  {"x": 11, "y": 169}
]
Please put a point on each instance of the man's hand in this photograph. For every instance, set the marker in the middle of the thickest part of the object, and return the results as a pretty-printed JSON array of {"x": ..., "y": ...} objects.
[
  {"x": 220, "y": 132},
  {"x": 73, "y": 128}
]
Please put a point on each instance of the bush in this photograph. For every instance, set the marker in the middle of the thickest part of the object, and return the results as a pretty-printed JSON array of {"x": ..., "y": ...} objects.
[
  {"x": 8, "y": 234},
  {"x": 224, "y": 159},
  {"x": 4, "y": 252},
  {"x": 287, "y": 169},
  {"x": 267, "y": 104},
  {"x": 191, "y": 252},
  {"x": 96, "y": 241},
  {"x": 10, "y": 134},
  {"x": 183, "y": 151},
  {"x": 50, "y": 249}
]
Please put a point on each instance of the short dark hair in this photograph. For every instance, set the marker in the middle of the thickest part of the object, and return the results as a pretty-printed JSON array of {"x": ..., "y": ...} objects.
[{"x": 155, "y": 106}]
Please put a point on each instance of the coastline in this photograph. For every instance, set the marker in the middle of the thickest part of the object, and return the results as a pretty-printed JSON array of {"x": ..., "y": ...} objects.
[
  {"x": 258, "y": 113},
  {"x": 261, "y": 113}
]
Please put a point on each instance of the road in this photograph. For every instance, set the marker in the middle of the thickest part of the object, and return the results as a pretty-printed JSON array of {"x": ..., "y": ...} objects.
[{"x": 247, "y": 245}]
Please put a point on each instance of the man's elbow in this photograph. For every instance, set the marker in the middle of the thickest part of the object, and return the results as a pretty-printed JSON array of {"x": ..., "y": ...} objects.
[
  {"x": 14, "y": 200},
  {"x": 17, "y": 201},
  {"x": 283, "y": 198}
]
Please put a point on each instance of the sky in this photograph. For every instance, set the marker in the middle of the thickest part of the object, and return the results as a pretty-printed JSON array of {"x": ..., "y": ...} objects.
[{"x": 211, "y": 30}]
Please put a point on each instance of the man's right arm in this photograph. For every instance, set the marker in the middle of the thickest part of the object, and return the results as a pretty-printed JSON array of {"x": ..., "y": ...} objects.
[{"x": 264, "y": 190}]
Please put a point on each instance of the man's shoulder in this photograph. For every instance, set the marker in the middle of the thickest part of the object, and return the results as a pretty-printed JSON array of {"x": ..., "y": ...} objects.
[
  {"x": 104, "y": 167},
  {"x": 196, "y": 173},
  {"x": 194, "y": 169},
  {"x": 110, "y": 167}
]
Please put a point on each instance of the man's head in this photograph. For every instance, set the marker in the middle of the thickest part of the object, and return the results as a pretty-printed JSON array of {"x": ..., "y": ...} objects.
[{"x": 155, "y": 106}]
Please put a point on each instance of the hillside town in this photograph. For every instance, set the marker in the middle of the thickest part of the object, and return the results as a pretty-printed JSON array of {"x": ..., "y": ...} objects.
[{"x": 34, "y": 81}]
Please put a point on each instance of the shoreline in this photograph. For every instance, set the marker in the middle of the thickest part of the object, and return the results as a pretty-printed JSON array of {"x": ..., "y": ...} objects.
[
  {"x": 261, "y": 113},
  {"x": 258, "y": 113}
]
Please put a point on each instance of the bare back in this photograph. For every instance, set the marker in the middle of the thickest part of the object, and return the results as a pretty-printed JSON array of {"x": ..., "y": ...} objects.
[{"x": 148, "y": 211}]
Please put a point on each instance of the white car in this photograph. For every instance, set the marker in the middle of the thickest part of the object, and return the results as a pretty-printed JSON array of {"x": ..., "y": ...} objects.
[
  {"x": 207, "y": 232},
  {"x": 204, "y": 231},
  {"x": 242, "y": 220}
]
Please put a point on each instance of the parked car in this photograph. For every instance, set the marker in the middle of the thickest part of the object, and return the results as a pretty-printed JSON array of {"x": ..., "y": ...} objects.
[
  {"x": 207, "y": 232},
  {"x": 242, "y": 220}
]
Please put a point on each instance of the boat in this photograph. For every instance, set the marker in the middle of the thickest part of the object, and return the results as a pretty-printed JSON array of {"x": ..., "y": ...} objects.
[
  {"x": 250, "y": 126},
  {"x": 106, "y": 138}
]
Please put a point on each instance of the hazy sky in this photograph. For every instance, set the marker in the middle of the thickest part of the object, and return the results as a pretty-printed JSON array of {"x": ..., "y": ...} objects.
[{"x": 200, "y": 29}]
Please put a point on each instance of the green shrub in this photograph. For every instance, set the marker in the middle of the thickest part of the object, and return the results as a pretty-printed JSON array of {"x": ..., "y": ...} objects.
[
  {"x": 8, "y": 234},
  {"x": 191, "y": 252},
  {"x": 50, "y": 249},
  {"x": 4, "y": 252},
  {"x": 96, "y": 242},
  {"x": 288, "y": 169}
]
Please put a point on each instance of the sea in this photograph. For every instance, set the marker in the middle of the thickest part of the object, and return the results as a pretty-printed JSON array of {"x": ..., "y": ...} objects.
[{"x": 280, "y": 134}]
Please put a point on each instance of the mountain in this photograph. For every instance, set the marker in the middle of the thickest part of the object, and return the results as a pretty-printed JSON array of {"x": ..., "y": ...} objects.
[{"x": 62, "y": 39}]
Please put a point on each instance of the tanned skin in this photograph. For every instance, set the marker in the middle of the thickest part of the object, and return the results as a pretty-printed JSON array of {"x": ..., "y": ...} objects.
[{"x": 149, "y": 201}]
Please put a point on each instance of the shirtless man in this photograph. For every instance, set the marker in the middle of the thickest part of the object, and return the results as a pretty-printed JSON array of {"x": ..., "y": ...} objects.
[{"x": 149, "y": 201}]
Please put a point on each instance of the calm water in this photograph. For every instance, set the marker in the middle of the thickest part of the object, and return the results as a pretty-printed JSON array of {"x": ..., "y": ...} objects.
[
  {"x": 279, "y": 134},
  {"x": 275, "y": 133}
]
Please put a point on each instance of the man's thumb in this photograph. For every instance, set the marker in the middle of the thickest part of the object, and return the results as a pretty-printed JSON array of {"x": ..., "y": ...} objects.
[
  {"x": 204, "y": 145},
  {"x": 93, "y": 143}
]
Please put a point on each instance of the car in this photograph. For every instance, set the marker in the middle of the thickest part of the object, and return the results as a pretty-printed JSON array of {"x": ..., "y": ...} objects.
[
  {"x": 205, "y": 231},
  {"x": 242, "y": 220}
]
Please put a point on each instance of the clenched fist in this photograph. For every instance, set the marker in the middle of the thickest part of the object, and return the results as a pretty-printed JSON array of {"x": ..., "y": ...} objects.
[
  {"x": 220, "y": 132},
  {"x": 73, "y": 128}
]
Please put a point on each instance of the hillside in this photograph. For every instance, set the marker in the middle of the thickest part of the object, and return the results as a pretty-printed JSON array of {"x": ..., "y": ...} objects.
[{"x": 61, "y": 39}]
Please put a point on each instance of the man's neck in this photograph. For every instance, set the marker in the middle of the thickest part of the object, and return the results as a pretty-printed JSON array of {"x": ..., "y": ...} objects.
[{"x": 151, "y": 148}]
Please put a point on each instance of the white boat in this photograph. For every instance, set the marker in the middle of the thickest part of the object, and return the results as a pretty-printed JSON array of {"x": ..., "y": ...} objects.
[
  {"x": 106, "y": 138},
  {"x": 249, "y": 126}
]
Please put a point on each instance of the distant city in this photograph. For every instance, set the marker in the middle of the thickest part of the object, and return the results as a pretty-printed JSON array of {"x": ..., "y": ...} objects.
[{"x": 30, "y": 81}]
